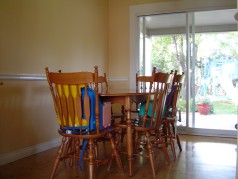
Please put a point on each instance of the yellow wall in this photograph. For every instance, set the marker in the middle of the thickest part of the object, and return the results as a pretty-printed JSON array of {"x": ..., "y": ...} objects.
[
  {"x": 71, "y": 35},
  {"x": 57, "y": 33},
  {"x": 62, "y": 34},
  {"x": 119, "y": 38}
]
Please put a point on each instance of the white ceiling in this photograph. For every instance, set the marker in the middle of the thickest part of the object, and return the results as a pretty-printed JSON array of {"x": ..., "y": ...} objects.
[{"x": 204, "y": 18}]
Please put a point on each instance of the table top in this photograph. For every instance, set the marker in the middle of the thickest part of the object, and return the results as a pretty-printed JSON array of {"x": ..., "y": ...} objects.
[{"x": 123, "y": 92}]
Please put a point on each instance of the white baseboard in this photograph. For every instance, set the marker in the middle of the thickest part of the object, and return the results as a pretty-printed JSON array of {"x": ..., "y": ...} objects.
[{"x": 25, "y": 152}]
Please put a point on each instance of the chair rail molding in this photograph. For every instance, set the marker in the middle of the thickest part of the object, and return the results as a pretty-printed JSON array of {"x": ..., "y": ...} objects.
[
  {"x": 30, "y": 77},
  {"x": 41, "y": 77}
]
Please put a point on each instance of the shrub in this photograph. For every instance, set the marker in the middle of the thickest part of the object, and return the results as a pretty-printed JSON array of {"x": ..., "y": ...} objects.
[{"x": 182, "y": 105}]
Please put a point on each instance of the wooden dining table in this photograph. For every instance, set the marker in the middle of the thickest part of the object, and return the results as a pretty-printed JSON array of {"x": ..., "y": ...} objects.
[{"x": 124, "y": 97}]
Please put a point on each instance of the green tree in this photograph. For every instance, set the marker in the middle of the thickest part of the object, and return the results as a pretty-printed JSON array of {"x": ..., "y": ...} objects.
[
  {"x": 169, "y": 53},
  {"x": 228, "y": 42}
]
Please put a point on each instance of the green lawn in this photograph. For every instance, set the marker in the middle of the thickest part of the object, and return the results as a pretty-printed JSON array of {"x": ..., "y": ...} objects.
[
  {"x": 218, "y": 107},
  {"x": 224, "y": 107}
]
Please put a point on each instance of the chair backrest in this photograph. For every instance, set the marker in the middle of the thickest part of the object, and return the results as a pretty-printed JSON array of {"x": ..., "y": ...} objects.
[
  {"x": 102, "y": 82},
  {"x": 174, "y": 94},
  {"x": 106, "y": 106},
  {"x": 143, "y": 82},
  {"x": 76, "y": 104},
  {"x": 158, "y": 90}
]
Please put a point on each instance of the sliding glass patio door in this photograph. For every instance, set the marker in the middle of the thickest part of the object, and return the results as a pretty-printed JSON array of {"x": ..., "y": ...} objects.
[{"x": 204, "y": 47}]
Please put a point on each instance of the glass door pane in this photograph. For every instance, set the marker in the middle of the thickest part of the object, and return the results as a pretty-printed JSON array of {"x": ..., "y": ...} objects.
[
  {"x": 210, "y": 63},
  {"x": 163, "y": 45},
  {"x": 215, "y": 70}
]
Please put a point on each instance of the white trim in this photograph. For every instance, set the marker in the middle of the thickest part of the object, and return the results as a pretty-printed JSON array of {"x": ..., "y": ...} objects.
[
  {"x": 25, "y": 152},
  {"x": 117, "y": 79},
  {"x": 182, "y": 6},
  {"x": 134, "y": 46},
  {"x": 32, "y": 77},
  {"x": 39, "y": 77},
  {"x": 207, "y": 132}
]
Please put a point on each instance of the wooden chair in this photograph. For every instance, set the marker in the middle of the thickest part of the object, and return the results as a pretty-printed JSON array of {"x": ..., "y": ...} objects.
[
  {"x": 103, "y": 85},
  {"x": 170, "y": 119},
  {"x": 142, "y": 83},
  {"x": 149, "y": 122},
  {"x": 147, "y": 125},
  {"x": 77, "y": 110}
]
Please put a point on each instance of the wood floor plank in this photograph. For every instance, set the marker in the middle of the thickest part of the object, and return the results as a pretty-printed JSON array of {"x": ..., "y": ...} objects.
[{"x": 202, "y": 157}]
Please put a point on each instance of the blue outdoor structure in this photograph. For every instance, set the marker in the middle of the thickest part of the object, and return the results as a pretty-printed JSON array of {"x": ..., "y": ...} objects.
[{"x": 220, "y": 75}]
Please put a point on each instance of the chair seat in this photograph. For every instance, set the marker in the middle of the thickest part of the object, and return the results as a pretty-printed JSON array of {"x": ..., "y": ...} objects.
[{"x": 92, "y": 135}]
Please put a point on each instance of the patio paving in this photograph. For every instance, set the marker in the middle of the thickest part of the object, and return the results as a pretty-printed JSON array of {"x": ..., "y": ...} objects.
[{"x": 212, "y": 121}]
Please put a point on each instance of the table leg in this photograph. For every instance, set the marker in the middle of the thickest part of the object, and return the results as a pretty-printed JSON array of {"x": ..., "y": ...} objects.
[{"x": 129, "y": 134}]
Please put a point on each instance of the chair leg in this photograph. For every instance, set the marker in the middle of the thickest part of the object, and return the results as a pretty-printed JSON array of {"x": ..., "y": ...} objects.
[
  {"x": 164, "y": 148},
  {"x": 110, "y": 163},
  {"x": 137, "y": 141},
  {"x": 77, "y": 149},
  {"x": 165, "y": 132},
  {"x": 178, "y": 142},
  {"x": 175, "y": 134},
  {"x": 150, "y": 153},
  {"x": 171, "y": 135},
  {"x": 69, "y": 149},
  {"x": 122, "y": 135},
  {"x": 123, "y": 114},
  {"x": 116, "y": 154},
  {"x": 122, "y": 122},
  {"x": 160, "y": 140},
  {"x": 91, "y": 162},
  {"x": 96, "y": 152},
  {"x": 173, "y": 149},
  {"x": 58, "y": 157},
  {"x": 118, "y": 136}
]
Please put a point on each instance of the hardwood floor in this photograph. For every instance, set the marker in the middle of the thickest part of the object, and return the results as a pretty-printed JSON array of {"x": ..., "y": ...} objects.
[{"x": 202, "y": 157}]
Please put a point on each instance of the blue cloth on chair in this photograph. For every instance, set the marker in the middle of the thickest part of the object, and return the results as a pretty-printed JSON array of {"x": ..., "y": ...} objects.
[
  {"x": 92, "y": 123},
  {"x": 92, "y": 98},
  {"x": 142, "y": 109},
  {"x": 168, "y": 103},
  {"x": 169, "y": 100}
]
